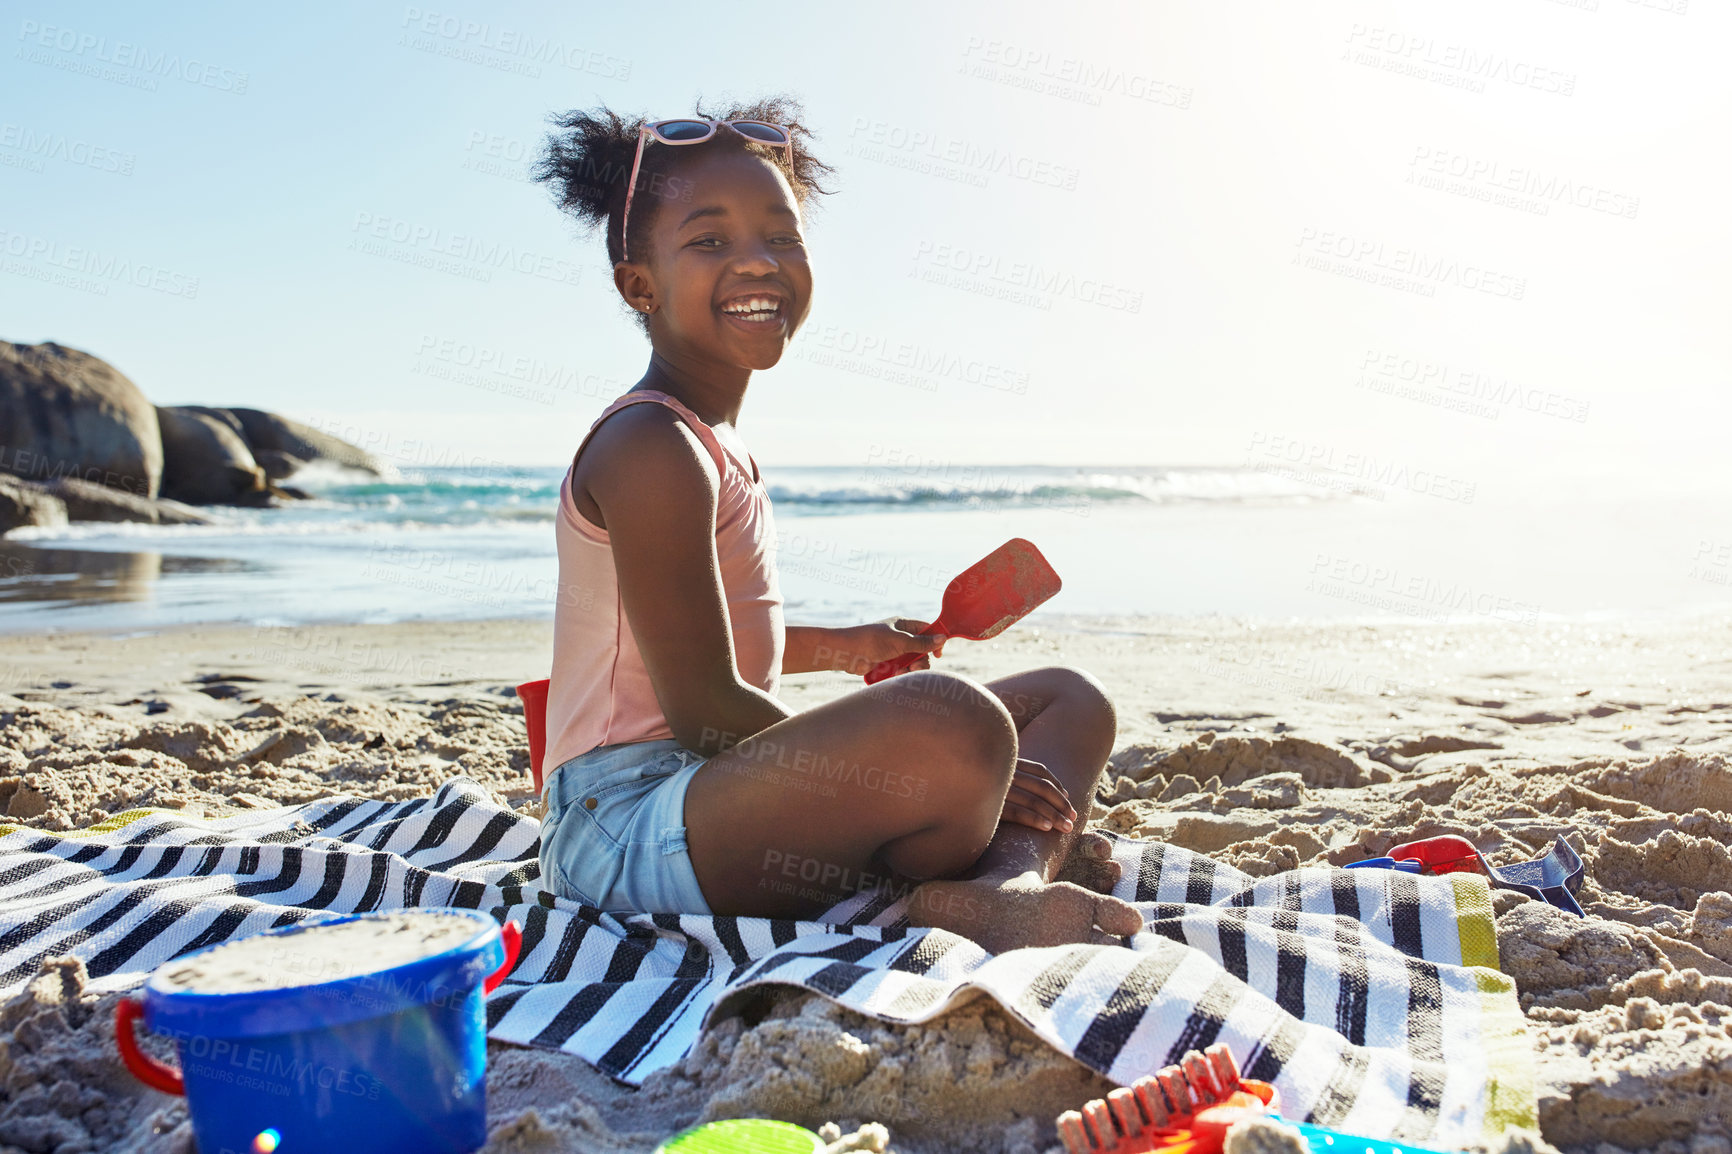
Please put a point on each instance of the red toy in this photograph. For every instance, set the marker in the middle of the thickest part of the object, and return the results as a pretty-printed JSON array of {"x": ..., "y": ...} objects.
[
  {"x": 533, "y": 694},
  {"x": 985, "y": 599},
  {"x": 1445, "y": 854},
  {"x": 1182, "y": 1109}
]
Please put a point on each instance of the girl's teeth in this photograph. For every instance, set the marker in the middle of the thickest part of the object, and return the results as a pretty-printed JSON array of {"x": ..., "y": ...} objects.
[
  {"x": 753, "y": 309},
  {"x": 756, "y": 315}
]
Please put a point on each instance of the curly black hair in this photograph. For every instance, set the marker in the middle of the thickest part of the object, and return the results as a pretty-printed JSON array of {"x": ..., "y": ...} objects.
[{"x": 587, "y": 164}]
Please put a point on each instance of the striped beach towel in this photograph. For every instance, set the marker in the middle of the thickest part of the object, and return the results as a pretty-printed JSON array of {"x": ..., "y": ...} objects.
[{"x": 1370, "y": 998}]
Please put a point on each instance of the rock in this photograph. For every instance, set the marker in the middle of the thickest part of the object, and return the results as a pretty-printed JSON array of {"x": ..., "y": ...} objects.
[
  {"x": 281, "y": 448},
  {"x": 291, "y": 442},
  {"x": 277, "y": 464},
  {"x": 65, "y": 413},
  {"x": 269, "y": 431},
  {"x": 85, "y": 501},
  {"x": 54, "y": 503},
  {"x": 205, "y": 462},
  {"x": 22, "y": 504}
]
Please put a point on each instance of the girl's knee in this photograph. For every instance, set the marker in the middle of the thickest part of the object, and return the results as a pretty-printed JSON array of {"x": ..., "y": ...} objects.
[
  {"x": 1078, "y": 690},
  {"x": 1085, "y": 688},
  {"x": 960, "y": 716}
]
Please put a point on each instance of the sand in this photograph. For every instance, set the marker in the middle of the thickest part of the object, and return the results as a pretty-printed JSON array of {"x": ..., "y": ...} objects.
[
  {"x": 1269, "y": 746},
  {"x": 308, "y": 955}
]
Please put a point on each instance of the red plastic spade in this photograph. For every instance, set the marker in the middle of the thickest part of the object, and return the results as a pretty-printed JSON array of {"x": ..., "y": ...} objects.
[{"x": 985, "y": 599}]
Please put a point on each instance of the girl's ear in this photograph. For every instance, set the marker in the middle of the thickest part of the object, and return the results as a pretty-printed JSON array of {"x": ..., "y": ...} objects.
[{"x": 634, "y": 285}]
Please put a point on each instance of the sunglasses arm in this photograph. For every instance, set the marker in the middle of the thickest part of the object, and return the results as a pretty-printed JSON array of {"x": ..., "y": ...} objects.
[{"x": 631, "y": 186}]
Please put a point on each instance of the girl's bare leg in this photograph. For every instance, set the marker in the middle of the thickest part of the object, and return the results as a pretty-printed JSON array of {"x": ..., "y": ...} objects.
[
  {"x": 905, "y": 780},
  {"x": 1064, "y": 721}
]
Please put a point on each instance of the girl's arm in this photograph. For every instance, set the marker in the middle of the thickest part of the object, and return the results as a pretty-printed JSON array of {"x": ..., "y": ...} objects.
[
  {"x": 655, "y": 487},
  {"x": 856, "y": 649}
]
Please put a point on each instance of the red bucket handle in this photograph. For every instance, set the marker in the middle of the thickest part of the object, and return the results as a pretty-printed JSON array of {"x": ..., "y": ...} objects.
[
  {"x": 533, "y": 694},
  {"x": 512, "y": 935},
  {"x": 157, "y": 1075}
]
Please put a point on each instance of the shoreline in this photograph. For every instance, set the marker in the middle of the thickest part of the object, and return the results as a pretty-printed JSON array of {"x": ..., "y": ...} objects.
[
  {"x": 476, "y": 547},
  {"x": 1159, "y": 668}
]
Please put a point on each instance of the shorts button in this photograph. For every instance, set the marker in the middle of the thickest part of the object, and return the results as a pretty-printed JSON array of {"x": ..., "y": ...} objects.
[{"x": 589, "y": 803}]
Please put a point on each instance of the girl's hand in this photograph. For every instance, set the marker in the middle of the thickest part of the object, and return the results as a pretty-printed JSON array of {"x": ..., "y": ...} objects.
[
  {"x": 864, "y": 646},
  {"x": 1037, "y": 800}
]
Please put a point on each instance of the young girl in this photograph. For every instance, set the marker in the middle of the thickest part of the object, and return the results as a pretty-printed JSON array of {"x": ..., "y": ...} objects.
[{"x": 683, "y": 785}]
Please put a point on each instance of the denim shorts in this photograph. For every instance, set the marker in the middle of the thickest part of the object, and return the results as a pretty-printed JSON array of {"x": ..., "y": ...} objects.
[{"x": 615, "y": 832}]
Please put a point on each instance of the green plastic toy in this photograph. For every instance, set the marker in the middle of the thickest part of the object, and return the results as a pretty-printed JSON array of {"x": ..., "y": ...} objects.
[{"x": 743, "y": 1136}]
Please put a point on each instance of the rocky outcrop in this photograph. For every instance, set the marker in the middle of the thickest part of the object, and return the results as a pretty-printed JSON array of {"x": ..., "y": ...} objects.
[
  {"x": 85, "y": 501},
  {"x": 281, "y": 446},
  {"x": 65, "y": 413},
  {"x": 23, "y": 504},
  {"x": 278, "y": 465},
  {"x": 51, "y": 505},
  {"x": 205, "y": 461},
  {"x": 78, "y": 432}
]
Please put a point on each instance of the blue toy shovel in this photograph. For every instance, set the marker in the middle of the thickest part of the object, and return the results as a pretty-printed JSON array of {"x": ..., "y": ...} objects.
[
  {"x": 1554, "y": 878},
  {"x": 1384, "y": 863}
]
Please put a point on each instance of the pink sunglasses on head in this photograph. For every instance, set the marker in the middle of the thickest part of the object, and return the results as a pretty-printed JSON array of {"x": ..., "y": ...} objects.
[{"x": 696, "y": 130}]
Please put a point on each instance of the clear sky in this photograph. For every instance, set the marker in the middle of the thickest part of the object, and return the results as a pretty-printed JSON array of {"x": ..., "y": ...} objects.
[{"x": 1483, "y": 239}]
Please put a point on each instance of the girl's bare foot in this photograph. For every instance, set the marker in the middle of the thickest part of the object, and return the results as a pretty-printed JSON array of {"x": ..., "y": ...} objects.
[
  {"x": 1090, "y": 864},
  {"x": 1004, "y": 912}
]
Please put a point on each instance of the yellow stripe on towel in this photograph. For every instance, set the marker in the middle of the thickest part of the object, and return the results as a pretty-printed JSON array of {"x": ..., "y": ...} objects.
[
  {"x": 1511, "y": 1103},
  {"x": 109, "y": 825},
  {"x": 1474, "y": 920},
  {"x": 1510, "y": 1096}
]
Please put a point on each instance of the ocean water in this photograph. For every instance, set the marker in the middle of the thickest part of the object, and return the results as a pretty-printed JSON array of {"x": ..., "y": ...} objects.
[{"x": 861, "y": 543}]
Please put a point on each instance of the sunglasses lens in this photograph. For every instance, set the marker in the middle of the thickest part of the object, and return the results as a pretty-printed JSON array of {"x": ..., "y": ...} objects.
[
  {"x": 760, "y": 132},
  {"x": 683, "y": 129}
]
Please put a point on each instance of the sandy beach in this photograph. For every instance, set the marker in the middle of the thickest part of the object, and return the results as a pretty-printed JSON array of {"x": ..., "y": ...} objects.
[
  {"x": 1268, "y": 746},
  {"x": 1353, "y": 367}
]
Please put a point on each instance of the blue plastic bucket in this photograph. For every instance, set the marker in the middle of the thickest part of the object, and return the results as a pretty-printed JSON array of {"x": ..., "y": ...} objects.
[{"x": 389, "y": 1060}]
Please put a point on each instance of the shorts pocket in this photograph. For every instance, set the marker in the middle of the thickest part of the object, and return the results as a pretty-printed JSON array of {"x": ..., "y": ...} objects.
[
  {"x": 590, "y": 823},
  {"x": 666, "y": 765},
  {"x": 578, "y": 859}
]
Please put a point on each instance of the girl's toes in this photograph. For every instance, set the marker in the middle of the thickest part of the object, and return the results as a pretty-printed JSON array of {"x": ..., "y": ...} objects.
[
  {"x": 1095, "y": 845},
  {"x": 1118, "y": 918},
  {"x": 1090, "y": 864}
]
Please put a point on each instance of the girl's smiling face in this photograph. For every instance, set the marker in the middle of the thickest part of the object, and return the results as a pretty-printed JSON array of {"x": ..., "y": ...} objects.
[{"x": 726, "y": 280}]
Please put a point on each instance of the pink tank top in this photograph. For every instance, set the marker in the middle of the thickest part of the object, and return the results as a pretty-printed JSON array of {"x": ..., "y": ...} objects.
[{"x": 601, "y": 692}]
